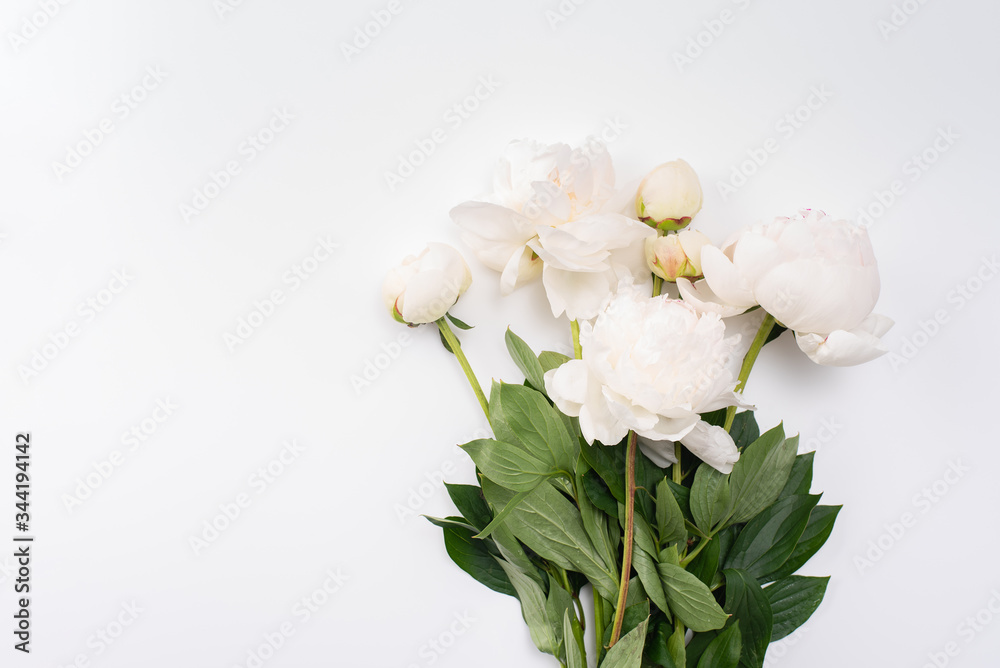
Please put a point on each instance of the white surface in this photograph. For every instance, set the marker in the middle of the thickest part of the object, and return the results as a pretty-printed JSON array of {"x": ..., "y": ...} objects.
[{"x": 335, "y": 507}]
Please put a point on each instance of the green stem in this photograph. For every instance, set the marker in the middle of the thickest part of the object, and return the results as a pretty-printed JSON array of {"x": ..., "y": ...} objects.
[
  {"x": 577, "y": 348},
  {"x": 657, "y": 285},
  {"x": 616, "y": 632},
  {"x": 563, "y": 578},
  {"x": 456, "y": 348},
  {"x": 748, "y": 362},
  {"x": 694, "y": 553},
  {"x": 599, "y": 625},
  {"x": 675, "y": 468}
]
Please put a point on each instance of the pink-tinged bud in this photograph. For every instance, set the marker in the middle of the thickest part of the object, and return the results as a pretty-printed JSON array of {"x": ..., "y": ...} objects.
[
  {"x": 676, "y": 255},
  {"x": 669, "y": 196}
]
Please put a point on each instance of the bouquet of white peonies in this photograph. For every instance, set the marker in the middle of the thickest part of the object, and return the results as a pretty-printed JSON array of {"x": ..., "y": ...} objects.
[{"x": 631, "y": 467}]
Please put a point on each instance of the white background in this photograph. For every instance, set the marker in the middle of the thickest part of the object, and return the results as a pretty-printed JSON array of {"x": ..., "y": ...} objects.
[{"x": 885, "y": 431}]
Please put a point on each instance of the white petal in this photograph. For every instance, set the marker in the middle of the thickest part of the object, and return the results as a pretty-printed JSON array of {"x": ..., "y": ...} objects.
[
  {"x": 841, "y": 348},
  {"x": 428, "y": 297},
  {"x": 494, "y": 233},
  {"x": 712, "y": 445},
  {"x": 660, "y": 452},
  {"x": 700, "y": 296},
  {"x": 520, "y": 269},
  {"x": 724, "y": 279},
  {"x": 580, "y": 295},
  {"x": 567, "y": 386}
]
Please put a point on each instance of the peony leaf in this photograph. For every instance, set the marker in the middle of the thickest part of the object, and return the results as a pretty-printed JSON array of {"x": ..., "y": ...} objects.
[
  {"x": 769, "y": 539},
  {"x": 470, "y": 502},
  {"x": 645, "y": 567},
  {"x": 526, "y": 415},
  {"x": 533, "y": 609},
  {"x": 550, "y": 360},
  {"x": 573, "y": 641},
  {"x": 749, "y": 606},
  {"x": 525, "y": 360},
  {"x": 724, "y": 651},
  {"x": 627, "y": 652},
  {"x": 669, "y": 517},
  {"x": 509, "y": 465},
  {"x": 710, "y": 498},
  {"x": 475, "y": 557},
  {"x": 690, "y": 599},
  {"x": 819, "y": 528},
  {"x": 760, "y": 474},
  {"x": 800, "y": 479},
  {"x": 793, "y": 601}
]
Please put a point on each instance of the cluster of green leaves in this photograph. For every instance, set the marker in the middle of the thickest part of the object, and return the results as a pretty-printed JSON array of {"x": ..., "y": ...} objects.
[{"x": 713, "y": 553}]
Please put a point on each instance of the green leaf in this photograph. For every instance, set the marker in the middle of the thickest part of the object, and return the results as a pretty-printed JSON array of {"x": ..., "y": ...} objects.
[
  {"x": 769, "y": 539},
  {"x": 669, "y": 517},
  {"x": 642, "y": 533},
  {"x": 683, "y": 496},
  {"x": 635, "y": 614},
  {"x": 645, "y": 566},
  {"x": 760, "y": 474},
  {"x": 706, "y": 564},
  {"x": 724, "y": 651},
  {"x": 509, "y": 465},
  {"x": 458, "y": 323},
  {"x": 548, "y": 523},
  {"x": 776, "y": 331},
  {"x": 800, "y": 479},
  {"x": 534, "y": 423},
  {"x": 510, "y": 506},
  {"x": 749, "y": 606},
  {"x": 525, "y": 360},
  {"x": 690, "y": 599},
  {"x": 745, "y": 430},
  {"x": 510, "y": 549},
  {"x": 710, "y": 497},
  {"x": 550, "y": 360},
  {"x": 627, "y": 652},
  {"x": 699, "y": 643},
  {"x": 533, "y": 609},
  {"x": 608, "y": 461},
  {"x": 793, "y": 601},
  {"x": 819, "y": 528},
  {"x": 573, "y": 639},
  {"x": 446, "y": 522},
  {"x": 597, "y": 491},
  {"x": 470, "y": 502},
  {"x": 595, "y": 522},
  {"x": 474, "y": 557},
  {"x": 558, "y": 604},
  {"x": 657, "y": 653},
  {"x": 676, "y": 647},
  {"x": 444, "y": 342}
]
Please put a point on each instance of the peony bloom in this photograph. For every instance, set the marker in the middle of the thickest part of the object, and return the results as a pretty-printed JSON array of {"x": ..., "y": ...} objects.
[
  {"x": 669, "y": 196},
  {"x": 816, "y": 275},
  {"x": 424, "y": 287},
  {"x": 557, "y": 208},
  {"x": 676, "y": 255},
  {"x": 651, "y": 365}
]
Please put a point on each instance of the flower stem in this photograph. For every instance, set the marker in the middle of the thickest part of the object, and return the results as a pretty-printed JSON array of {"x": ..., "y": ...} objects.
[
  {"x": 675, "y": 468},
  {"x": 599, "y": 624},
  {"x": 456, "y": 348},
  {"x": 748, "y": 361},
  {"x": 657, "y": 285},
  {"x": 616, "y": 632},
  {"x": 694, "y": 553},
  {"x": 577, "y": 348}
]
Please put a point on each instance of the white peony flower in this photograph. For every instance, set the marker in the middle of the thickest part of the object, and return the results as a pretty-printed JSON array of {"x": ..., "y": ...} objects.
[
  {"x": 651, "y": 365},
  {"x": 538, "y": 189},
  {"x": 816, "y": 275},
  {"x": 424, "y": 287},
  {"x": 669, "y": 196}
]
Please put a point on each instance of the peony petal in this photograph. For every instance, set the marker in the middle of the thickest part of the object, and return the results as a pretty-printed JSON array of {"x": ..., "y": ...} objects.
[
  {"x": 493, "y": 233},
  {"x": 847, "y": 348},
  {"x": 660, "y": 453},
  {"x": 712, "y": 445},
  {"x": 567, "y": 386},
  {"x": 724, "y": 280},
  {"x": 580, "y": 295},
  {"x": 520, "y": 269},
  {"x": 428, "y": 297},
  {"x": 704, "y": 300}
]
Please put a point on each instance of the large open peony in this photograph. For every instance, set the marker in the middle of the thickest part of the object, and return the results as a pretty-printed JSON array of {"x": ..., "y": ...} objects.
[
  {"x": 816, "y": 275},
  {"x": 652, "y": 365}
]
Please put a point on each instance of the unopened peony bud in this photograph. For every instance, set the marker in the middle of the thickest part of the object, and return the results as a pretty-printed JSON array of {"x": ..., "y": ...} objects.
[
  {"x": 676, "y": 255},
  {"x": 423, "y": 288},
  {"x": 669, "y": 196}
]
